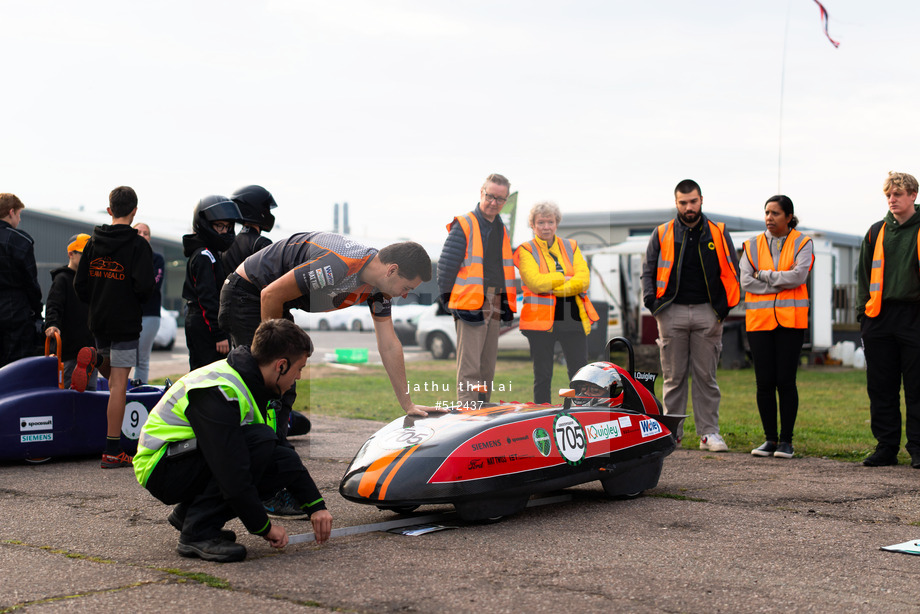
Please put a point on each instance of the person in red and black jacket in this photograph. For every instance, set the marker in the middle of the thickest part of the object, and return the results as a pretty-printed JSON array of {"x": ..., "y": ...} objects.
[{"x": 212, "y": 224}]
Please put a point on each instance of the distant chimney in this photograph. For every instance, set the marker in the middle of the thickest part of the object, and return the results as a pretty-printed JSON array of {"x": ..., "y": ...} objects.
[
  {"x": 335, "y": 218},
  {"x": 346, "y": 229}
]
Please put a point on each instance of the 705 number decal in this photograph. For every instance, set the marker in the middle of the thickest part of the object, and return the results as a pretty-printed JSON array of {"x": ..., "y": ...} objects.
[{"x": 570, "y": 438}]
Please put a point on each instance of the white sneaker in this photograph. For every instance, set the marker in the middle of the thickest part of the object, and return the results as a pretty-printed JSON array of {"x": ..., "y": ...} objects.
[{"x": 713, "y": 442}]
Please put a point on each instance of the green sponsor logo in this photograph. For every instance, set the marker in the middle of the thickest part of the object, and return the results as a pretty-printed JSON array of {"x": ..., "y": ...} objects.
[{"x": 542, "y": 441}]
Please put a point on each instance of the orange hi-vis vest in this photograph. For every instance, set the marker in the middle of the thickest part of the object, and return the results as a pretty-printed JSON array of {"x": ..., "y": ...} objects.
[
  {"x": 727, "y": 274},
  {"x": 787, "y": 308},
  {"x": 468, "y": 293},
  {"x": 877, "y": 274},
  {"x": 539, "y": 310}
]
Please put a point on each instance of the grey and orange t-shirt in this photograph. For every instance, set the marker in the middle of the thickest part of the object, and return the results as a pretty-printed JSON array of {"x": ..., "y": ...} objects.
[{"x": 326, "y": 267}]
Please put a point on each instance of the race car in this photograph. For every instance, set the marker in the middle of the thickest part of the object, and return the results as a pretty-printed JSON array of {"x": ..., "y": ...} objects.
[
  {"x": 39, "y": 419},
  {"x": 488, "y": 461}
]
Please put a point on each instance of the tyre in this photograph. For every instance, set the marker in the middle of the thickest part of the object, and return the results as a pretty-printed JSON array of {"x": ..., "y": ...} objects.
[
  {"x": 440, "y": 346},
  {"x": 323, "y": 325},
  {"x": 356, "y": 326}
]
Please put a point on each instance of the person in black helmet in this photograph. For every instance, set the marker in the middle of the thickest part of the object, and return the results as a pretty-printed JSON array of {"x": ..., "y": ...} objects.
[
  {"x": 255, "y": 203},
  {"x": 212, "y": 225}
]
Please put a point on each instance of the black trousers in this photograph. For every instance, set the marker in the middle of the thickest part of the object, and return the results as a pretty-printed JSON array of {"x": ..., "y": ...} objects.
[
  {"x": 891, "y": 342},
  {"x": 240, "y": 316},
  {"x": 574, "y": 347},
  {"x": 187, "y": 481},
  {"x": 202, "y": 348},
  {"x": 776, "y": 361}
]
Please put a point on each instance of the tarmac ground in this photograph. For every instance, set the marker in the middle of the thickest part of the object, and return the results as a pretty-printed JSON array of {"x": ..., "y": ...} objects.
[{"x": 720, "y": 533}]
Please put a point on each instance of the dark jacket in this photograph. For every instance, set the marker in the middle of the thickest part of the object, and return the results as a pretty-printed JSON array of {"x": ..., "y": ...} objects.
[
  {"x": 204, "y": 276},
  {"x": 216, "y": 423},
  {"x": 152, "y": 306},
  {"x": 708, "y": 257},
  {"x": 20, "y": 294},
  {"x": 68, "y": 313},
  {"x": 454, "y": 252},
  {"x": 902, "y": 281},
  {"x": 115, "y": 278},
  {"x": 247, "y": 242}
]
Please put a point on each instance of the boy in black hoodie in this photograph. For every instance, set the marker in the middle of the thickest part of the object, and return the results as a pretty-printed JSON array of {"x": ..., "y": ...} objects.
[
  {"x": 212, "y": 225},
  {"x": 115, "y": 278},
  {"x": 66, "y": 315}
]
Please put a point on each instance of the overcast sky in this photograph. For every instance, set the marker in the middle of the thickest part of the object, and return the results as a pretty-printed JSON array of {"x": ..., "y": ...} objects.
[{"x": 403, "y": 107}]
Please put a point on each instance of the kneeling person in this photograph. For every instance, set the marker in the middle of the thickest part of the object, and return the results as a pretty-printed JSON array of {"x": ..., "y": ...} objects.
[{"x": 210, "y": 447}]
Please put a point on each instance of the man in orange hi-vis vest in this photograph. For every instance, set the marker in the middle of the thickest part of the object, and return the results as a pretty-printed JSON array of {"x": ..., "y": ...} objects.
[
  {"x": 888, "y": 310},
  {"x": 476, "y": 282},
  {"x": 689, "y": 283}
]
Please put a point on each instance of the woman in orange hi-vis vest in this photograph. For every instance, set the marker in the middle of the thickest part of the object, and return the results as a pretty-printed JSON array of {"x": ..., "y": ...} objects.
[
  {"x": 556, "y": 306},
  {"x": 774, "y": 269}
]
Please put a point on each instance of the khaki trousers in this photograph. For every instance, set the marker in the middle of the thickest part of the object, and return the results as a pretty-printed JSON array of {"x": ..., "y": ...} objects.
[
  {"x": 477, "y": 348},
  {"x": 690, "y": 340}
]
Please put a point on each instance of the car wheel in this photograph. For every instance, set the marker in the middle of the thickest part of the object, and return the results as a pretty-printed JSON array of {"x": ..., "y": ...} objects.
[
  {"x": 323, "y": 325},
  {"x": 169, "y": 346},
  {"x": 440, "y": 346},
  {"x": 356, "y": 326}
]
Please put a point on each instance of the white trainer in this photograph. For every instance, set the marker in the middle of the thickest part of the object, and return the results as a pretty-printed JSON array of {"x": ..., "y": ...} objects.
[{"x": 713, "y": 442}]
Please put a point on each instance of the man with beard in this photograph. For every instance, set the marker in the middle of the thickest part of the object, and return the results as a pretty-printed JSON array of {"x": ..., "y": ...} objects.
[{"x": 689, "y": 283}]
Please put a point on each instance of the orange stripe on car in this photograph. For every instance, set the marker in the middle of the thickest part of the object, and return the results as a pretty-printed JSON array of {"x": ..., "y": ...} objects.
[{"x": 374, "y": 472}]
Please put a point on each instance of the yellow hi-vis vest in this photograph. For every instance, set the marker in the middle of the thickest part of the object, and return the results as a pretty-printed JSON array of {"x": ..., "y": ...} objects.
[
  {"x": 468, "y": 292},
  {"x": 787, "y": 308},
  {"x": 167, "y": 422},
  {"x": 539, "y": 310},
  {"x": 727, "y": 273}
]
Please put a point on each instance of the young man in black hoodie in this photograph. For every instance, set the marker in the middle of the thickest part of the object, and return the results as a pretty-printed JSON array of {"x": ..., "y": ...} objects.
[
  {"x": 115, "y": 278},
  {"x": 66, "y": 315}
]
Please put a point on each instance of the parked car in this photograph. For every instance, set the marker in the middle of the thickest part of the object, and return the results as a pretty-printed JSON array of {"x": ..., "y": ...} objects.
[
  {"x": 357, "y": 318},
  {"x": 438, "y": 334},
  {"x": 405, "y": 321},
  {"x": 166, "y": 333},
  {"x": 327, "y": 320}
]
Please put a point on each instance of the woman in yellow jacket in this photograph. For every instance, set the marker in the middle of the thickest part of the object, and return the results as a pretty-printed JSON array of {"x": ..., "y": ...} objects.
[
  {"x": 556, "y": 306},
  {"x": 774, "y": 270}
]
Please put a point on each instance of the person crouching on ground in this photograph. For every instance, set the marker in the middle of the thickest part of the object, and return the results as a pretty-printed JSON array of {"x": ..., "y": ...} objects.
[{"x": 210, "y": 447}]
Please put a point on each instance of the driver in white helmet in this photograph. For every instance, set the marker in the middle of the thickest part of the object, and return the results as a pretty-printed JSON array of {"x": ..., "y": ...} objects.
[{"x": 597, "y": 384}]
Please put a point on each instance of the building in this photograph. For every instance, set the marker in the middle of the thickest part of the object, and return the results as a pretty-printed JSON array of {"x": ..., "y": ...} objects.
[{"x": 834, "y": 278}]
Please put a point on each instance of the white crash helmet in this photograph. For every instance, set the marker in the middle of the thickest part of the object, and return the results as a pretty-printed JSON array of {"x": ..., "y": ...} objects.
[{"x": 597, "y": 383}]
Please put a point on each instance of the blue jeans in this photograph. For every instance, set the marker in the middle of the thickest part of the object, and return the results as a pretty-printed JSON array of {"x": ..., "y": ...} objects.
[{"x": 151, "y": 324}]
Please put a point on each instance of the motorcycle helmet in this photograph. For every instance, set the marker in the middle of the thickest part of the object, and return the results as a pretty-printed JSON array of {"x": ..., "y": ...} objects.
[
  {"x": 597, "y": 384},
  {"x": 255, "y": 203},
  {"x": 215, "y": 209}
]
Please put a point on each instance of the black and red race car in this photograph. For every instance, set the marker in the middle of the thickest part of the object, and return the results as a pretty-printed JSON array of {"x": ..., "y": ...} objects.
[{"x": 489, "y": 461}]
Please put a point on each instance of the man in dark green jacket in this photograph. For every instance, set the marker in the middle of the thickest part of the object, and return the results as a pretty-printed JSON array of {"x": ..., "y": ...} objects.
[
  {"x": 888, "y": 309},
  {"x": 210, "y": 447}
]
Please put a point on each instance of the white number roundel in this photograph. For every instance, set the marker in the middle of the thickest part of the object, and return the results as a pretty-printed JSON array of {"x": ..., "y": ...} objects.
[
  {"x": 135, "y": 417},
  {"x": 570, "y": 439}
]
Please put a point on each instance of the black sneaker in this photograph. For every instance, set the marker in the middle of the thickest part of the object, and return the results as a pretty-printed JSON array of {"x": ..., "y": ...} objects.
[
  {"x": 914, "y": 458},
  {"x": 882, "y": 457},
  {"x": 783, "y": 450},
  {"x": 216, "y": 550},
  {"x": 767, "y": 448},
  {"x": 176, "y": 522},
  {"x": 282, "y": 505}
]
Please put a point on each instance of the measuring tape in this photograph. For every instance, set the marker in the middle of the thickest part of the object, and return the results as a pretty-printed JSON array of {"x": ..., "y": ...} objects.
[{"x": 303, "y": 538}]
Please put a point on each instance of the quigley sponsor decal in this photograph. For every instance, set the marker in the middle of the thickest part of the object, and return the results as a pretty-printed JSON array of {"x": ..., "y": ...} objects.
[{"x": 602, "y": 431}]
